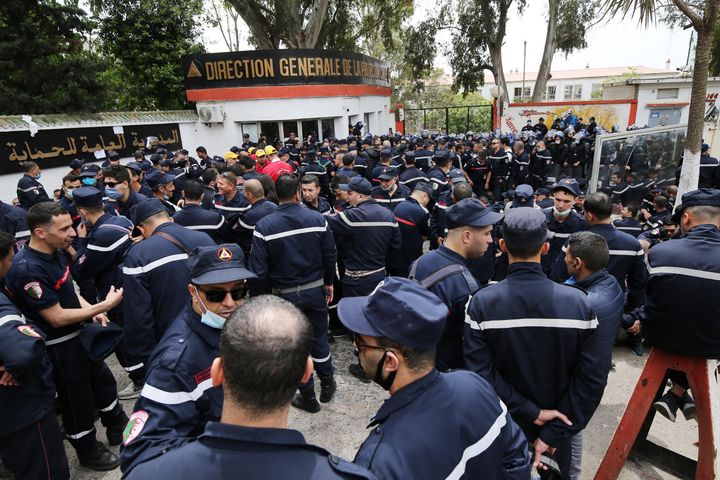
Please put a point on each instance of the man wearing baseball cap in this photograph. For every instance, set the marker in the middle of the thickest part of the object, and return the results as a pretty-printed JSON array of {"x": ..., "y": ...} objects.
[
  {"x": 562, "y": 219},
  {"x": 445, "y": 271},
  {"x": 178, "y": 398},
  {"x": 434, "y": 425},
  {"x": 389, "y": 193},
  {"x": 412, "y": 216}
]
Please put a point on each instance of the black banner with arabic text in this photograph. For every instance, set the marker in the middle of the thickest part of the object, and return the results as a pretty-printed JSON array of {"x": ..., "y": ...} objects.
[{"x": 55, "y": 148}]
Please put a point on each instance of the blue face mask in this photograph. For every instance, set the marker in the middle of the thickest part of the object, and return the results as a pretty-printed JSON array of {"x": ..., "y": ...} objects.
[
  {"x": 37, "y": 177},
  {"x": 211, "y": 319},
  {"x": 88, "y": 181},
  {"x": 113, "y": 193}
]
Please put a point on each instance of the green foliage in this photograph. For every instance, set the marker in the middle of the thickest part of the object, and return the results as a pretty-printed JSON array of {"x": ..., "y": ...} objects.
[
  {"x": 144, "y": 41},
  {"x": 574, "y": 20},
  {"x": 629, "y": 75},
  {"x": 44, "y": 67}
]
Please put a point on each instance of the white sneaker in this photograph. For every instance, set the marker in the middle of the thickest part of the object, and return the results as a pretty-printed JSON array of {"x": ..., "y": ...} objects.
[{"x": 130, "y": 392}]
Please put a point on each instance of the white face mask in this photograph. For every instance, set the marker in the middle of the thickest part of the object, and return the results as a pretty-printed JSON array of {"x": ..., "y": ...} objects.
[{"x": 561, "y": 214}]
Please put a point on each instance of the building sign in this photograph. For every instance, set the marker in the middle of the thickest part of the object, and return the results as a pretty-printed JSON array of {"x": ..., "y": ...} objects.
[
  {"x": 54, "y": 148},
  {"x": 282, "y": 67}
]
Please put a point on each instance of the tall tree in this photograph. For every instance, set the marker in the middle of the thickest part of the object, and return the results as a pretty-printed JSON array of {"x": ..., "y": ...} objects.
[
  {"x": 226, "y": 19},
  {"x": 703, "y": 16},
  {"x": 145, "y": 40},
  {"x": 568, "y": 23},
  {"x": 44, "y": 67}
]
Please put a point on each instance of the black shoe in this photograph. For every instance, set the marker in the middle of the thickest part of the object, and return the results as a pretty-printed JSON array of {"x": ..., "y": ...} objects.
[
  {"x": 327, "y": 388},
  {"x": 115, "y": 433},
  {"x": 357, "y": 372},
  {"x": 667, "y": 406},
  {"x": 636, "y": 345},
  {"x": 331, "y": 339},
  {"x": 305, "y": 400},
  {"x": 101, "y": 459},
  {"x": 687, "y": 406},
  {"x": 339, "y": 332}
]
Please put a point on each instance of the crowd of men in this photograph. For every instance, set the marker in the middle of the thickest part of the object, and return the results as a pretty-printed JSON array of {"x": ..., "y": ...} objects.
[{"x": 494, "y": 339}]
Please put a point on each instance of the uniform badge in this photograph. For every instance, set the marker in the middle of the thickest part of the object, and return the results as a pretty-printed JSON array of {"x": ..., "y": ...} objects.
[
  {"x": 34, "y": 290},
  {"x": 28, "y": 330},
  {"x": 225, "y": 255},
  {"x": 134, "y": 426}
]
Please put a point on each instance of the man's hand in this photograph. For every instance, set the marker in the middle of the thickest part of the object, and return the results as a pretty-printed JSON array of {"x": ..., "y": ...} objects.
[
  {"x": 328, "y": 293},
  {"x": 547, "y": 415},
  {"x": 6, "y": 380},
  {"x": 181, "y": 203},
  {"x": 81, "y": 230},
  {"x": 113, "y": 298},
  {"x": 634, "y": 328},
  {"x": 540, "y": 447}
]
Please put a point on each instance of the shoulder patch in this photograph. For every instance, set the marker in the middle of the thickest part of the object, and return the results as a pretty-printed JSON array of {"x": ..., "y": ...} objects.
[
  {"x": 135, "y": 426},
  {"x": 33, "y": 290},
  {"x": 28, "y": 330}
]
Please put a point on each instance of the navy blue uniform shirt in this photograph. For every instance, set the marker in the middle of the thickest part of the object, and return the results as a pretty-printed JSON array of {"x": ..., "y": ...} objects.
[
  {"x": 30, "y": 192},
  {"x": 413, "y": 221},
  {"x": 245, "y": 226},
  {"x": 411, "y": 177},
  {"x": 390, "y": 201},
  {"x": 195, "y": 217},
  {"x": 13, "y": 220},
  {"x": 558, "y": 233}
]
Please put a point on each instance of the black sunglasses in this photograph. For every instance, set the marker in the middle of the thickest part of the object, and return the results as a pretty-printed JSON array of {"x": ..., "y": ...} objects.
[
  {"x": 112, "y": 184},
  {"x": 217, "y": 296}
]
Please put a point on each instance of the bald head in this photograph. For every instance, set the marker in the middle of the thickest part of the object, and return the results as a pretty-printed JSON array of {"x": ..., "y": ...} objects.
[{"x": 264, "y": 349}]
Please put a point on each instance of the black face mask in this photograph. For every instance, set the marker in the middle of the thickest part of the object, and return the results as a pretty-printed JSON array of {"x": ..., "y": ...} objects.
[{"x": 386, "y": 383}]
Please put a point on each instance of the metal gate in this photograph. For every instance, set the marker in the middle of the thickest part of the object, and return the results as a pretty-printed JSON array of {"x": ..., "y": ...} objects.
[{"x": 462, "y": 119}]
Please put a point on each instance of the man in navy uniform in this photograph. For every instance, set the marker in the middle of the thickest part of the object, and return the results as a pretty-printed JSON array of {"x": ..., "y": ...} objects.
[
  {"x": 260, "y": 207},
  {"x": 445, "y": 272},
  {"x": 412, "y": 175},
  {"x": 31, "y": 444},
  {"x": 434, "y": 425},
  {"x": 155, "y": 275},
  {"x": 178, "y": 398},
  {"x": 413, "y": 220},
  {"x": 628, "y": 223},
  {"x": 686, "y": 269},
  {"x": 117, "y": 188},
  {"x": 539, "y": 349},
  {"x": 103, "y": 241},
  {"x": 40, "y": 283},
  {"x": 13, "y": 220},
  {"x": 293, "y": 253},
  {"x": 29, "y": 189},
  {"x": 709, "y": 168},
  {"x": 311, "y": 197},
  {"x": 562, "y": 220},
  {"x": 264, "y": 355},
  {"x": 162, "y": 187},
  {"x": 438, "y": 173},
  {"x": 229, "y": 200},
  {"x": 389, "y": 193},
  {"x": 195, "y": 217}
]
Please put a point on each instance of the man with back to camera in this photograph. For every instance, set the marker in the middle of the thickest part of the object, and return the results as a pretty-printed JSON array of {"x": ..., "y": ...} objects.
[
  {"x": 551, "y": 391},
  {"x": 195, "y": 217},
  {"x": 434, "y": 425},
  {"x": 412, "y": 216},
  {"x": 178, "y": 400},
  {"x": 264, "y": 356}
]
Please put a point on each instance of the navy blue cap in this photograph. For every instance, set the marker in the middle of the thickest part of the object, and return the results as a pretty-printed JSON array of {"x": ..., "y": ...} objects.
[
  {"x": 470, "y": 212},
  {"x": 570, "y": 185},
  {"x": 542, "y": 191},
  {"x": 100, "y": 341},
  {"x": 456, "y": 176},
  {"x": 135, "y": 167},
  {"x": 388, "y": 173},
  {"x": 113, "y": 156},
  {"x": 217, "y": 159},
  {"x": 399, "y": 310},
  {"x": 386, "y": 152},
  {"x": 169, "y": 155},
  {"x": 442, "y": 153},
  {"x": 704, "y": 147},
  {"x": 76, "y": 163},
  {"x": 324, "y": 149},
  {"x": 357, "y": 184},
  {"x": 157, "y": 177},
  {"x": 89, "y": 170},
  {"x": 225, "y": 263},
  {"x": 88, "y": 197},
  {"x": 523, "y": 196},
  {"x": 194, "y": 171},
  {"x": 145, "y": 209},
  {"x": 167, "y": 163},
  {"x": 155, "y": 158},
  {"x": 410, "y": 155},
  {"x": 525, "y": 228},
  {"x": 425, "y": 187},
  {"x": 709, "y": 197}
]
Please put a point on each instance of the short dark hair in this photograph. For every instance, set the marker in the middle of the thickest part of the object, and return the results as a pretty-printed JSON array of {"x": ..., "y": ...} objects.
[
  {"x": 661, "y": 201},
  {"x": 264, "y": 348},
  {"x": 7, "y": 244},
  {"x": 286, "y": 186},
  {"x": 41, "y": 214},
  {"x": 442, "y": 161},
  {"x": 201, "y": 150},
  {"x": 310, "y": 179},
  {"x": 209, "y": 175},
  {"x": 339, "y": 179},
  {"x": 70, "y": 178},
  {"x": 347, "y": 160},
  {"x": 193, "y": 190},
  {"x": 247, "y": 162},
  {"x": 118, "y": 172},
  {"x": 417, "y": 360},
  {"x": 599, "y": 205},
  {"x": 632, "y": 208},
  {"x": 461, "y": 191},
  {"x": 27, "y": 166},
  {"x": 592, "y": 248}
]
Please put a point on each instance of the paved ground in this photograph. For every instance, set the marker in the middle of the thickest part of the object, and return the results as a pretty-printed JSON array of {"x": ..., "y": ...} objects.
[{"x": 340, "y": 426}]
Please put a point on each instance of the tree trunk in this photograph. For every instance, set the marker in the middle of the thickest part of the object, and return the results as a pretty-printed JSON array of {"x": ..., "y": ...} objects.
[
  {"x": 312, "y": 30},
  {"x": 690, "y": 172},
  {"x": 499, "y": 74},
  {"x": 256, "y": 22},
  {"x": 550, "y": 44}
]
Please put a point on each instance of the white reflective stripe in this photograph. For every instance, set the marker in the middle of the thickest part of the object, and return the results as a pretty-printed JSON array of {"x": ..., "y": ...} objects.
[
  {"x": 206, "y": 227},
  {"x": 552, "y": 234},
  {"x": 708, "y": 165},
  {"x": 628, "y": 228},
  {"x": 245, "y": 225},
  {"x": 65, "y": 338},
  {"x": 532, "y": 323},
  {"x": 81, "y": 434},
  {"x": 175, "y": 398},
  {"x": 107, "y": 409},
  {"x": 22, "y": 233},
  {"x": 232, "y": 209},
  {"x": 153, "y": 265},
  {"x": 134, "y": 367},
  {"x": 321, "y": 360},
  {"x": 414, "y": 179},
  {"x": 618, "y": 192},
  {"x": 628, "y": 253},
  {"x": 389, "y": 200},
  {"x": 366, "y": 224},
  {"x": 11, "y": 318},
  {"x": 441, "y": 206},
  {"x": 689, "y": 272},
  {"x": 28, "y": 189},
  {"x": 481, "y": 445},
  {"x": 111, "y": 247},
  {"x": 290, "y": 233}
]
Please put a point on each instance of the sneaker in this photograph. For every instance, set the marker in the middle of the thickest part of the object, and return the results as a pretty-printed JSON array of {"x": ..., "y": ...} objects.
[
  {"x": 667, "y": 406},
  {"x": 357, "y": 372},
  {"x": 687, "y": 406},
  {"x": 101, "y": 459},
  {"x": 131, "y": 391},
  {"x": 636, "y": 345}
]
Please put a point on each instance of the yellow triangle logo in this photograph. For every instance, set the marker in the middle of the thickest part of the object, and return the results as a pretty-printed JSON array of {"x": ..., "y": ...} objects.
[{"x": 193, "y": 71}]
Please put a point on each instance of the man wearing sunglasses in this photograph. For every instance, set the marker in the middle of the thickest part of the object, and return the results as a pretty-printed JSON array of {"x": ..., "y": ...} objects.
[
  {"x": 434, "y": 425},
  {"x": 178, "y": 398},
  {"x": 117, "y": 188}
]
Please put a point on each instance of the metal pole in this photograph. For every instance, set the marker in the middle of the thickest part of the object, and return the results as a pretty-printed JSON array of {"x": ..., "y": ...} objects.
[
  {"x": 447, "y": 120},
  {"x": 467, "y": 120},
  {"x": 522, "y": 94},
  {"x": 424, "y": 119}
]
